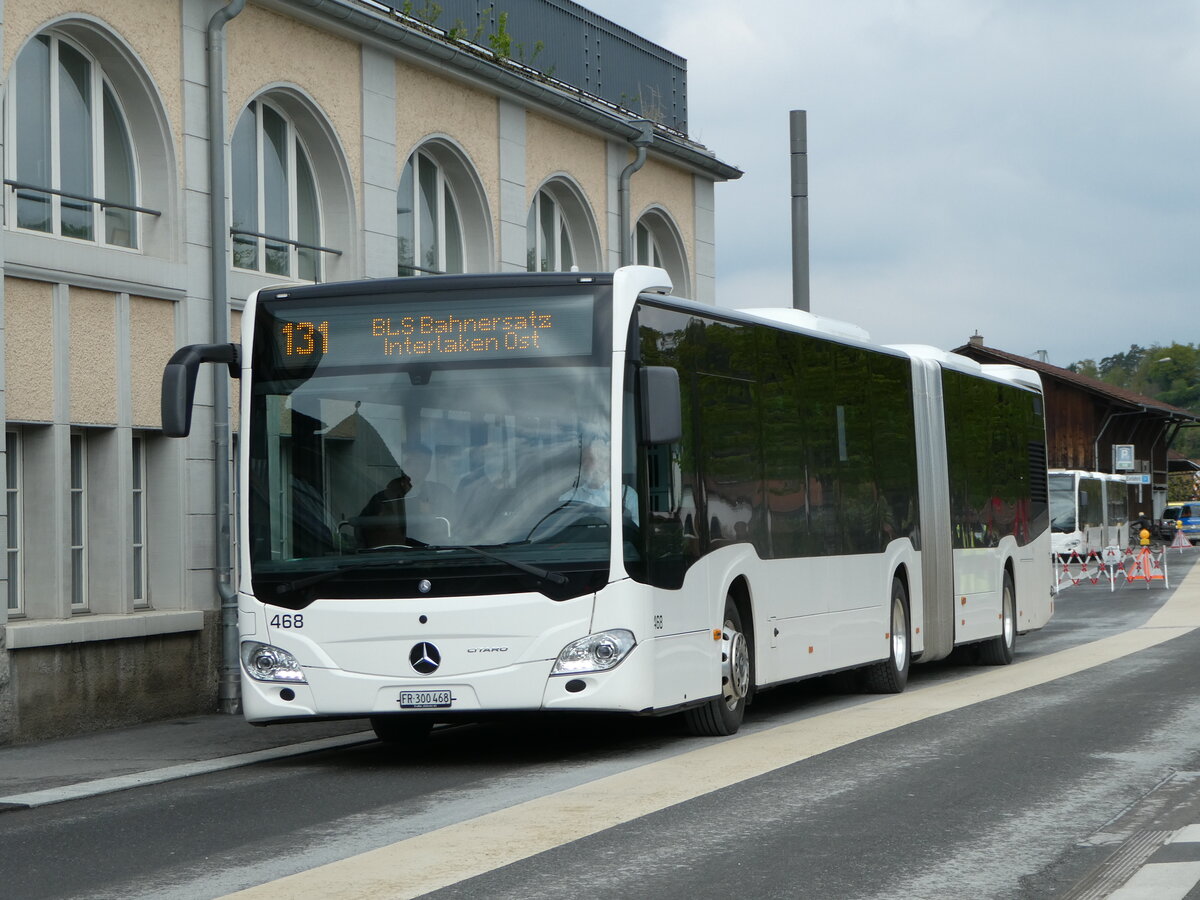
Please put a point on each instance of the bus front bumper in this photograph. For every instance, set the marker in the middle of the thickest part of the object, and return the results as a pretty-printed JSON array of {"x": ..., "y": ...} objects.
[{"x": 529, "y": 686}]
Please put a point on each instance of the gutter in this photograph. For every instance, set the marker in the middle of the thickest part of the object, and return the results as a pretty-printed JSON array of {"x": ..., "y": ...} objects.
[{"x": 229, "y": 688}]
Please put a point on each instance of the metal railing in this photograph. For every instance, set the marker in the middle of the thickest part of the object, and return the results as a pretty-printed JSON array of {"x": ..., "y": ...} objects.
[
  {"x": 85, "y": 198},
  {"x": 281, "y": 240}
]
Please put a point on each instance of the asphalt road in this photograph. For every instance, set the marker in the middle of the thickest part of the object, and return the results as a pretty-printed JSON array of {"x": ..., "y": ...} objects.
[{"x": 1017, "y": 782}]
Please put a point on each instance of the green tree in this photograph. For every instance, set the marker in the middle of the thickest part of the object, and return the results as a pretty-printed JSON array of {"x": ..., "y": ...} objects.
[{"x": 1169, "y": 374}]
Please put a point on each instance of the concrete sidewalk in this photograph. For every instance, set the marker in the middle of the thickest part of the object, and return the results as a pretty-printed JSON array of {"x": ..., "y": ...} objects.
[{"x": 53, "y": 771}]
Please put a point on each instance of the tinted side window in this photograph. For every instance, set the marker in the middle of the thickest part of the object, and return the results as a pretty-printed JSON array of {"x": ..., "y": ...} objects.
[
  {"x": 995, "y": 443},
  {"x": 798, "y": 445}
]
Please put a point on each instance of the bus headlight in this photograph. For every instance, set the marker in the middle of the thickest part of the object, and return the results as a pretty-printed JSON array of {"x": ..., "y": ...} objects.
[
  {"x": 266, "y": 663},
  {"x": 594, "y": 653}
]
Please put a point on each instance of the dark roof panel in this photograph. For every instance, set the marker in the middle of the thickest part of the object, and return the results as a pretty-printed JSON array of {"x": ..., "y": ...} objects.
[{"x": 983, "y": 354}]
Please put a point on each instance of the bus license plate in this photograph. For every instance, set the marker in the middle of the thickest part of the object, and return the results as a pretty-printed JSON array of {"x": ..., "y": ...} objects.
[{"x": 431, "y": 699}]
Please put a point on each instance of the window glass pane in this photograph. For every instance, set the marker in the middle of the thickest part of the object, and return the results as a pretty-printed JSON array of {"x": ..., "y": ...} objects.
[
  {"x": 78, "y": 524},
  {"x": 427, "y": 224},
  {"x": 14, "y": 581},
  {"x": 275, "y": 189},
  {"x": 406, "y": 234},
  {"x": 75, "y": 140},
  {"x": 139, "y": 520},
  {"x": 642, "y": 245},
  {"x": 566, "y": 251},
  {"x": 120, "y": 225},
  {"x": 546, "y": 227},
  {"x": 32, "y": 96},
  {"x": 453, "y": 237},
  {"x": 245, "y": 188},
  {"x": 532, "y": 254},
  {"x": 12, "y": 465},
  {"x": 308, "y": 222}
]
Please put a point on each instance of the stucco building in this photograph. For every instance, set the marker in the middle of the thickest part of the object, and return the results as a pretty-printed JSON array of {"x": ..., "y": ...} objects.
[{"x": 354, "y": 139}]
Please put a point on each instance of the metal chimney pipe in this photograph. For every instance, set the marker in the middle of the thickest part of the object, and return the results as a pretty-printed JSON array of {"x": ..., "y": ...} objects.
[{"x": 799, "y": 130}]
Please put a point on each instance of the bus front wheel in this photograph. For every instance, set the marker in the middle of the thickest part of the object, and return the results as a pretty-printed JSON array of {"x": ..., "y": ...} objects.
[{"x": 723, "y": 715}]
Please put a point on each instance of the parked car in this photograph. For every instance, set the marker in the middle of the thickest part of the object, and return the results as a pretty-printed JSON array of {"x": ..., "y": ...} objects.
[
  {"x": 1168, "y": 523},
  {"x": 1184, "y": 517}
]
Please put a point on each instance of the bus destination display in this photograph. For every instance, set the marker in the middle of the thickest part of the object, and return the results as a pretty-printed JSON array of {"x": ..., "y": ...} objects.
[{"x": 448, "y": 330}]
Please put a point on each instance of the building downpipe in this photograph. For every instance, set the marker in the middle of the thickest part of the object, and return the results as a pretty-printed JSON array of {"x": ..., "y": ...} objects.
[
  {"x": 229, "y": 688},
  {"x": 643, "y": 139}
]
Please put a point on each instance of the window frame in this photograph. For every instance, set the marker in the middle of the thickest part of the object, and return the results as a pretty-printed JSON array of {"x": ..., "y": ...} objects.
[
  {"x": 138, "y": 531},
  {"x": 14, "y": 483},
  {"x": 78, "y": 513},
  {"x": 296, "y": 148},
  {"x": 535, "y": 233},
  {"x": 102, "y": 209},
  {"x": 646, "y": 248},
  {"x": 446, "y": 197},
  {"x": 663, "y": 237}
]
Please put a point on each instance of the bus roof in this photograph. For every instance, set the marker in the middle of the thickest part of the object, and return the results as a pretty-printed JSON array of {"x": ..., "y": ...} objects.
[
  {"x": 810, "y": 322},
  {"x": 1010, "y": 374}
]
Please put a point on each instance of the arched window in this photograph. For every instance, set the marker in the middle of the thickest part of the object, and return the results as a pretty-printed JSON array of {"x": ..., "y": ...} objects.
[
  {"x": 559, "y": 231},
  {"x": 428, "y": 225},
  {"x": 276, "y": 213},
  {"x": 657, "y": 242},
  {"x": 74, "y": 171},
  {"x": 646, "y": 251},
  {"x": 548, "y": 238}
]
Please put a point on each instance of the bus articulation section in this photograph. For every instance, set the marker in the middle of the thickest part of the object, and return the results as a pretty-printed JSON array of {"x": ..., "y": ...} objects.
[{"x": 462, "y": 495}]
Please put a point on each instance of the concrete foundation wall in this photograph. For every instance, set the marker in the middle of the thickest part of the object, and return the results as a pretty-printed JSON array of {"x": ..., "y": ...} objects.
[{"x": 76, "y": 688}]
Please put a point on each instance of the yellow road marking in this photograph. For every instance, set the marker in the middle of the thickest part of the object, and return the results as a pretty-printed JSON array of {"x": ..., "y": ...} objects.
[{"x": 437, "y": 859}]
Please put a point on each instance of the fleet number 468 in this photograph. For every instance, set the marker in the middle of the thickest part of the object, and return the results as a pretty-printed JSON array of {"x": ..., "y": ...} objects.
[{"x": 285, "y": 621}]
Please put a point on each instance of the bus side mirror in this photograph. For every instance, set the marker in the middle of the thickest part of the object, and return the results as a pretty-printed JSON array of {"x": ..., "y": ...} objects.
[
  {"x": 662, "y": 416},
  {"x": 179, "y": 382}
]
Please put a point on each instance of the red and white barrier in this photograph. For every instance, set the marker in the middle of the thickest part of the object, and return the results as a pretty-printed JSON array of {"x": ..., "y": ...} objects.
[{"x": 1134, "y": 564}]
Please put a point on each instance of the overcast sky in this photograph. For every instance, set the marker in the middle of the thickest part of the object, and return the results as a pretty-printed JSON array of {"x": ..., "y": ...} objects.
[{"x": 1028, "y": 170}]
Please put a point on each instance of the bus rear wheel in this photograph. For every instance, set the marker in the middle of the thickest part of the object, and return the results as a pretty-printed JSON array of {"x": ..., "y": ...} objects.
[
  {"x": 999, "y": 650},
  {"x": 723, "y": 715},
  {"x": 891, "y": 675}
]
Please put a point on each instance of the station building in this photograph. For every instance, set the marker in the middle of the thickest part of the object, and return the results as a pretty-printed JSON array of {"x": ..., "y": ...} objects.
[{"x": 354, "y": 139}]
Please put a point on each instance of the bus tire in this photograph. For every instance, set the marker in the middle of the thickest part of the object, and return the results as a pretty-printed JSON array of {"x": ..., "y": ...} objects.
[
  {"x": 723, "y": 715},
  {"x": 400, "y": 730},
  {"x": 891, "y": 675},
  {"x": 999, "y": 650}
]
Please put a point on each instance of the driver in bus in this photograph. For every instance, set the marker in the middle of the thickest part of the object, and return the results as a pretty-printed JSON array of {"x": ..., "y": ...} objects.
[
  {"x": 383, "y": 521},
  {"x": 592, "y": 488},
  {"x": 425, "y": 497},
  {"x": 409, "y": 499}
]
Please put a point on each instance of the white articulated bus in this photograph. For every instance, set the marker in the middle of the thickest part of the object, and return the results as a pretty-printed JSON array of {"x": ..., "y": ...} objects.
[
  {"x": 565, "y": 491},
  {"x": 1088, "y": 512}
]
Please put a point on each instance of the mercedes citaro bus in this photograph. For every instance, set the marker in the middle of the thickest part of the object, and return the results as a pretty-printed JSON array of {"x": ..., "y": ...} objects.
[{"x": 461, "y": 495}]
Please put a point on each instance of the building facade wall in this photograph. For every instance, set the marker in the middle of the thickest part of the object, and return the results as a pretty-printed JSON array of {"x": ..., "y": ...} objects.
[{"x": 112, "y": 613}]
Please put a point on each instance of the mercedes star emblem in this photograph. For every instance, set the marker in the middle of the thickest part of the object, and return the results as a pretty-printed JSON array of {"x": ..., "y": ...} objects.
[{"x": 425, "y": 658}]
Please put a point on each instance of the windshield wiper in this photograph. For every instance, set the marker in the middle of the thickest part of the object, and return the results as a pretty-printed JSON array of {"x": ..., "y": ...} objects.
[
  {"x": 288, "y": 587},
  {"x": 536, "y": 571}
]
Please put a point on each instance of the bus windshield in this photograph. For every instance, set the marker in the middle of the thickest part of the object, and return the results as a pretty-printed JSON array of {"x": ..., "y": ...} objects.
[
  {"x": 399, "y": 447},
  {"x": 1062, "y": 503}
]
